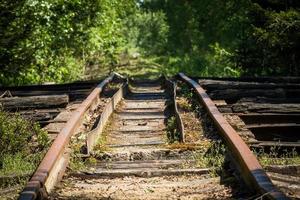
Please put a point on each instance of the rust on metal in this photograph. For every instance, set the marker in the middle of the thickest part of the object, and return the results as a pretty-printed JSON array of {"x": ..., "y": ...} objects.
[
  {"x": 36, "y": 186},
  {"x": 251, "y": 170},
  {"x": 171, "y": 88},
  {"x": 178, "y": 117}
]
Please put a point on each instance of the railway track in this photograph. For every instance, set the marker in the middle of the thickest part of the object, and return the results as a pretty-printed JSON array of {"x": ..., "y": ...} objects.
[
  {"x": 266, "y": 115},
  {"x": 161, "y": 140},
  {"x": 136, "y": 162}
]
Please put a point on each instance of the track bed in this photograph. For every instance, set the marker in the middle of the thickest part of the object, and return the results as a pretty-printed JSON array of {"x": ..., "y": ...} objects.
[
  {"x": 135, "y": 161},
  {"x": 220, "y": 139}
]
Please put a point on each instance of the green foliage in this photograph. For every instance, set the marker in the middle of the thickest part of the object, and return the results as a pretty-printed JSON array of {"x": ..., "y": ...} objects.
[
  {"x": 202, "y": 35},
  {"x": 272, "y": 45},
  {"x": 150, "y": 33},
  {"x": 22, "y": 146},
  {"x": 230, "y": 38},
  {"x": 16, "y": 164},
  {"x": 19, "y": 137},
  {"x": 18, "y": 167},
  {"x": 53, "y": 40},
  {"x": 172, "y": 132},
  {"x": 213, "y": 157}
]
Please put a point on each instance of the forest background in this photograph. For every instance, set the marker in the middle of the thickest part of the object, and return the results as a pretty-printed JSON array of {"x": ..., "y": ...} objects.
[{"x": 66, "y": 40}]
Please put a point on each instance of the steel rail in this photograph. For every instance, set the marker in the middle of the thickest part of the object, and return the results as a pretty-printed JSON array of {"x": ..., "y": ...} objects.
[
  {"x": 35, "y": 188},
  {"x": 252, "y": 172},
  {"x": 171, "y": 87}
]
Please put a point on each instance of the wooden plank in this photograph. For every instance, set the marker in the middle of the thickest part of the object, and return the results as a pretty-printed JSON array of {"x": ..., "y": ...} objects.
[
  {"x": 284, "y": 169},
  {"x": 260, "y": 108},
  {"x": 236, "y": 94},
  {"x": 266, "y": 118},
  {"x": 54, "y": 127},
  {"x": 220, "y": 102},
  {"x": 40, "y": 114},
  {"x": 269, "y": 100},
  {"x": 146, "y": 172},
  {"x": 273, "y": 144},
  {"x": 53, "y": 87},
  {"x": 219, "y": 84},
  {"x": 287, "y": 125},
  {"x": 50, "y": 101}
]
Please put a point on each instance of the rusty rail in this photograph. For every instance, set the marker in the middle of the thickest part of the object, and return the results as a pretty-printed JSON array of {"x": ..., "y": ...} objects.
[
  {"x": 55, "y": 161},
  {"x": 177, "y": 115},
  {"x": 251, "y": 170},
  {"x": 171, "y": 88}
]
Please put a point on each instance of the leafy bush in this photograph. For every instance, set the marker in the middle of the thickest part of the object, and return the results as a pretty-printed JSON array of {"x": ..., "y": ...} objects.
[
  {"x": 201, "y": 37},
  {"x": 19, "y": 136},
  {"x": 231, "y": 38},
  {"x": 148, "y": 31},
  {"x": 54, "y": 40},
  {"x": 272, "y": 45}
]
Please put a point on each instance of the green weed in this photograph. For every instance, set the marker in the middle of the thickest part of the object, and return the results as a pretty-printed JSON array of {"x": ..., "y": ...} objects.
[
  {"x": 18, "y": 168},
  {"x": 20, "y": 135},
  {"x": 22, "y": 146},
  {"x": 185, "y": 91},
  {"x": 90, "y": 161},
  {"x": 212, "y": 157},
  {"x": 278, "y": 156},
  {"x": 172, "y": 131},
  {"x": 183, "y": 104},
  {"x": 76, "y": 161},
  {"x": 101, "y": 144}
]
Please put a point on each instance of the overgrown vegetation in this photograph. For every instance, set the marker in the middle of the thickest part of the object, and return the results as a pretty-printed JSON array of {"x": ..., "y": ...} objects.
[
  {"x": 200, "y": 131},
  {"x": 16, "y": 156},
  {"x": 270, "y": 45},
  {"x": 227, "y": 38},
  {"x": 173, "y": 133},
  {"x": 213, "y": 157},
  {"x": 78, "y": 142},
  {"x": 53, "y": 40},
  {"x": 278, "y": 156}
]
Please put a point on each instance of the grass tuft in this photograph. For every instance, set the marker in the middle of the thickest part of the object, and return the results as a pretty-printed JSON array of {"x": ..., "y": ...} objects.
[
  {"x": 278, "y": 156},
  {"x": 212, "y": 156},
  {"x": 173, "y": 133}
]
